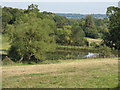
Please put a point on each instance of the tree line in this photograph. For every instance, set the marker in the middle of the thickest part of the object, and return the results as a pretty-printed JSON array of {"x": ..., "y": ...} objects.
[{"x": 33, "y": 33}]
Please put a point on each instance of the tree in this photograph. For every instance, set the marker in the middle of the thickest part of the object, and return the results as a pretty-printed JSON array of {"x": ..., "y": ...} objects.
[
  {"x": 104, "y": 51},
  {"x": 89, "y": 22},
  {"x": 9, "y": 16},
  {"x": 63, "y": 35},
  {"x": 91, "y": 32},
  {"x": 78, "y": 36},
  {"x": 33, "y": 8},
  {"x": 112, "y": 38},
  {"x": 31, "y": 38},
  {"x": 60, "y": 21},
  {"x": 102, "y": 30},
  {"x": 90, "y": 28}
]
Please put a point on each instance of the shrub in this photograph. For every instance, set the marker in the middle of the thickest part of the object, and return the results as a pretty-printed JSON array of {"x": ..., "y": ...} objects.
[
  {"x": 94, "y": 44},
  {"x": 104, "y": 51}
]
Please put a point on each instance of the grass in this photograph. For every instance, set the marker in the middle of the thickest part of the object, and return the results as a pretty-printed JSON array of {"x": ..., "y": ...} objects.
[
  {"x": 90, "y": 40},
  {"x": 84, "y": 73}
]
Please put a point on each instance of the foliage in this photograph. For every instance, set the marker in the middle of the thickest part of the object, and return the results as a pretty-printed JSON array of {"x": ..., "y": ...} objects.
[
  {"x": 92, "y": 33},
  {"x": 90, "y": 28},
  {"x": 60, "y": 21},
  {"x": 112, "y": 38},
  {"x": 102, "y": 30},
  {"x": 33, "y": 7},
  {"x": 63, "y": 35},
  {"x": 9, "y": 16},
  {"x": 33, "y": 40},
  {"x": 104, "y": 51},
  {"x": 94, "y": 44},
  {"x": 78, "y": 36}
]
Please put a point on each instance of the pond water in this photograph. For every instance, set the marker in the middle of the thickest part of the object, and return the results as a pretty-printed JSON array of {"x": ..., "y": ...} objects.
[
  {"x": 76, "y": 54},
  {"x": 72, "y": 55}
]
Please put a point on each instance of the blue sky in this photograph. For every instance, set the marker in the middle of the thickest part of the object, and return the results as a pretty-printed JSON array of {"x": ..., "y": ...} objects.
[{"x": 66, "y": 7}]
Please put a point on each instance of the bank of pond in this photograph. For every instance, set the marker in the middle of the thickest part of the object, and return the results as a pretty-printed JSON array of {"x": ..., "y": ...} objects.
[{"x": 70, "y": 52}]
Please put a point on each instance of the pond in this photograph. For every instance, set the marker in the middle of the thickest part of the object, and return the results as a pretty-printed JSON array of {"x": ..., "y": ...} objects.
[
  {"x": 75, "y": 54},
  {"x": 67, "y": 54}
]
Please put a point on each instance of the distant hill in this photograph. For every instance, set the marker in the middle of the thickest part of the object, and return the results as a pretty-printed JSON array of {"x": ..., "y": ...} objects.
[{"x": 79, "y": 16}]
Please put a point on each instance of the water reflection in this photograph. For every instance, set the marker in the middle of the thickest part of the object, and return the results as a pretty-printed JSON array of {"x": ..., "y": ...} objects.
[
  {"x": 91, "y": 55},
  {"x": 71, "y": 55}
]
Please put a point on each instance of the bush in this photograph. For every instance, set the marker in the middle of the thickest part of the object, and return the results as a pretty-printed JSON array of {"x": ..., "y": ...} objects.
[
  {"x": 94, "y": 44},
  {"x": 104, "y": 51},
  {"x": 82, "y": 42}
]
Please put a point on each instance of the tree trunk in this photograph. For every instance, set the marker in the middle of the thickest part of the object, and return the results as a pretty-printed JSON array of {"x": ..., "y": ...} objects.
[{"x": 20, "y": 59}]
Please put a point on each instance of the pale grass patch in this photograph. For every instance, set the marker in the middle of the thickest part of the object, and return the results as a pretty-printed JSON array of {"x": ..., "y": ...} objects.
[
  {"x": 94, "y": 40},
  {"x": 52, "y": 68}
]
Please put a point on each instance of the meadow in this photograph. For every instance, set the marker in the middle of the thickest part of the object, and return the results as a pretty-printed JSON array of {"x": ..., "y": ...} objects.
[
  {"x": 90, "y": 40},
  {"x": 83, "y": 73}
]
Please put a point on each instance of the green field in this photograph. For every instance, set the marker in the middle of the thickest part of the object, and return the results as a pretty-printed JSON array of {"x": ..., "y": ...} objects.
[
  {"x": 90, "y": 40},
  {"x": 84, "y": 73}
]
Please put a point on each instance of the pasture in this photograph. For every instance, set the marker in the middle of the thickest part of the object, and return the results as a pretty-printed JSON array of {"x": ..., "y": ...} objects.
[{"x": 84, "y": 73}]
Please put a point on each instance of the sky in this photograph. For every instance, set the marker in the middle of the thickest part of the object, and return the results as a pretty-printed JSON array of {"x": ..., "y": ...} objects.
[
  {"x": 60, "y": 0},
  {"x": 80, "y": 7}
]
